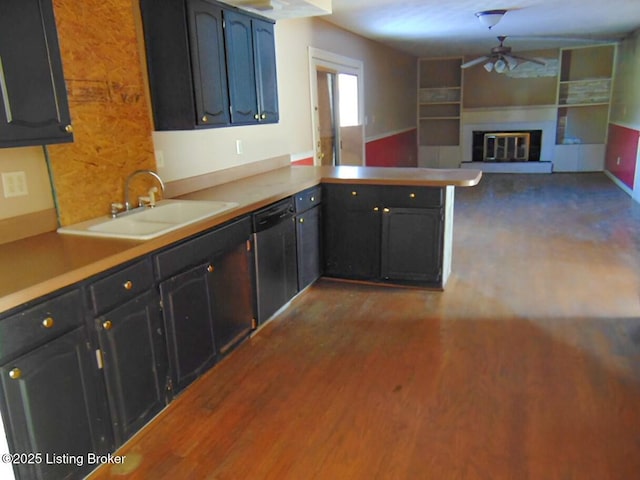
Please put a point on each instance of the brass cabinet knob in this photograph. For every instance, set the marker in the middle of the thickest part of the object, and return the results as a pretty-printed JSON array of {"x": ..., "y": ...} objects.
[
  {"x": 256, "y": 116},
  {"x": 128, "y": 285},
  {"x": 263, "y": 116},
  {"x": 354, "y": 193},
  {"x": 386, "y": 210},
  {"x": 15, "y": 373},
  {"x": 412, "y": 195},
  {"x": 48, "y": 322},
  {"x": 107, "y": 325},
  {"x": 68, "y": 128},
  {"x": 210, "y": 268},
  {"x": 313, "y": 199},
  {"x": 205, "y": 118},
  {"x": 301, "y": 220},
  {"x": 375, "y": 209}
]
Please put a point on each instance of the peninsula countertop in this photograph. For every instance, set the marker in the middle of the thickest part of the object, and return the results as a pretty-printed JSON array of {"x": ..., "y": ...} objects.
[{"x": 42, "y": 264}]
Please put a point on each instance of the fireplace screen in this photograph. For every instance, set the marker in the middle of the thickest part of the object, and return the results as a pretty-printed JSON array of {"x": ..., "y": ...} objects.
[{"x": 506, "y": 147}]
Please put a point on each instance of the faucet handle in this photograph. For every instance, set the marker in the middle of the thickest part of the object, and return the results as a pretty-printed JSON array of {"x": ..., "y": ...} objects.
[
  {"x": 116, "y": 207},
  {"x": 148, "y": 200}
]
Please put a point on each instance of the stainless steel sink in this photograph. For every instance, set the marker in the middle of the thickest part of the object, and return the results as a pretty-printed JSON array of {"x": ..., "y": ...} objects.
[{"x": 148, "y": 223}]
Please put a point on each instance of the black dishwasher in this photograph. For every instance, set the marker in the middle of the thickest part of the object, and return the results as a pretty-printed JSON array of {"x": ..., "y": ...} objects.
[{"x": 275, "y": 257}]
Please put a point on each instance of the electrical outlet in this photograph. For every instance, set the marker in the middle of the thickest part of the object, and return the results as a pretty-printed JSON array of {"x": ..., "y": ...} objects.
[{"x": 14, "y": 184}]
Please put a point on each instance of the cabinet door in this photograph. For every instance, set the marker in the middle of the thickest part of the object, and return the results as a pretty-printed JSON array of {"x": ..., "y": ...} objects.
[
  {"x": 412, "y": 244},
  {"x": 308, "y": 247},
  {"x": 232, "y": 289},
  {"x": 265, "y": 66},
  {"x": 134, "y": 355},
  {"x": 50, "y": 406},
  {"x": 208, "y": 63},
  {"x": 240, "y": 68},
  {"x": 187, "y": 306},
  {"x": 351, "y": 232},
  {"x": 34, "y": 108}
]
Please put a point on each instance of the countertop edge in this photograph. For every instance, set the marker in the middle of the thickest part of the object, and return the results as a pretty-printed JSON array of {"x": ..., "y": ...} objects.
[{"x": 129, "y": 250}]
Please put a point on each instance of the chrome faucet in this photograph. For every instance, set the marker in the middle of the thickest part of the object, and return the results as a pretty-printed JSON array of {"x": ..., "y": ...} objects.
[{"x": 127, "y": 203}]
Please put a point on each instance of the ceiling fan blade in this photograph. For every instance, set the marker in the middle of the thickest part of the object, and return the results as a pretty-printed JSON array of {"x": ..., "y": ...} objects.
[
  {"x": 511, "y": 61},
  {"x": 533, "y": 60},
  {"x": 478, "y": 60}
]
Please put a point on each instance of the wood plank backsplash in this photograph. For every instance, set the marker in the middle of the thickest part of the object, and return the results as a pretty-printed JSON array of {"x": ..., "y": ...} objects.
[{"x": 109, "y": 105}]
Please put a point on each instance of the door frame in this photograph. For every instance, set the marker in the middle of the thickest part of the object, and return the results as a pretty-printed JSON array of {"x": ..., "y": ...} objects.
[{"x": 340, "y": 64}]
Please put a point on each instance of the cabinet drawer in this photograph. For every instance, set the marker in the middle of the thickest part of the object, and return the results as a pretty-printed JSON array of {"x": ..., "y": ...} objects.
[
  {"x": 352, "y": 196},
  {"x": 196, "y": 250},
  {"x": 120, "y": 286},
  {"x": 36, "y": 325},
  {"x": 308, "y": 198},
  {"x": 411, "y": 197}
]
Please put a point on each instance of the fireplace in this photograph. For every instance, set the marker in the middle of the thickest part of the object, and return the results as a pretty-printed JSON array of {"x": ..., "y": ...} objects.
[{"x": 506, "y": 146}]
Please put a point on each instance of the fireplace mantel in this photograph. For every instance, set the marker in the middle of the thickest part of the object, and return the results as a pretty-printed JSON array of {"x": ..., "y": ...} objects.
[{"x": 511, "y": 119}]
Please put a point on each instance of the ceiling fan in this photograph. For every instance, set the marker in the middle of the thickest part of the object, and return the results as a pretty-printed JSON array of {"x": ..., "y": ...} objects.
[{"x": 500, "y": 59}]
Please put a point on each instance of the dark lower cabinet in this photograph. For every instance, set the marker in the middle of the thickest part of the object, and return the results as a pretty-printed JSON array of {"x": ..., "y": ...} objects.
[
  {"x": 134, "y": 356},
  {"x": 232, "y": 291},
  {"x": 411, "y": 244},
  {"x": 34, "y": 108},
  {"x": 308, "y": 246},
  {"x": 51, "y": 406},
  {"x": 383, "y": 233},
  {"x": 187, "y": 305},
  {"x": 351, "y": 232}
]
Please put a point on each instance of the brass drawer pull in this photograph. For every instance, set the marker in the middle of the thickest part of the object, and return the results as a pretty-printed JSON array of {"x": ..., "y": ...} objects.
[
  {"x": 15, "y": 373},
  {"x": 210, "y": 269},
  {"x": 48, "y": 322},
  {"x": 107, "y": 325},
  {"x": 386, "y": 210},
  {"x": 68, "y": 129},
  {"x": 128, "y": 285}
]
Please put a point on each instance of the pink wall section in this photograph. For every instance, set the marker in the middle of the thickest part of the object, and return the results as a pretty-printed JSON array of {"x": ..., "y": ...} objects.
[
  {"x": 399, "y": 150},
  {"x": 622, "y": 143},
  {"x": 304, "y": 161}
]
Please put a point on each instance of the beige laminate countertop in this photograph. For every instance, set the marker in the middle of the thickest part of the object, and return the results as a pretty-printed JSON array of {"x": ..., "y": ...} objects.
[{"x": 39, "y": 265}]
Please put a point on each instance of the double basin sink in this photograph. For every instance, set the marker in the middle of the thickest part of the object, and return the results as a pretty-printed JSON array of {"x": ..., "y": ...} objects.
[{"x": 147, "y": 223}]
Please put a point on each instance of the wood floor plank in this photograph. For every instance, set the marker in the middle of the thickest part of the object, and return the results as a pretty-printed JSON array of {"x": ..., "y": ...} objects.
[{"x": 526, "y": 367}]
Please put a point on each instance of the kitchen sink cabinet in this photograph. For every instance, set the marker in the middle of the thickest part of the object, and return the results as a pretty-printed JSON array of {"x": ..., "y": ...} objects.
[
  {"x": 34, "y": 109},
  {"x": 384, "y": 233},
  {"x": 209, "y": 64},
  {"x": 206, "y": 290},
  {"x": 187, "y": 304},
  {"x": 52, "y": 399},
  {"x": 131, "y": 337}
]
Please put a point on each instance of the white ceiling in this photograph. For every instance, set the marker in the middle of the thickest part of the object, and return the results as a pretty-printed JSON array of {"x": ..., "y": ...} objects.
[{"x": 441, "y": 28}]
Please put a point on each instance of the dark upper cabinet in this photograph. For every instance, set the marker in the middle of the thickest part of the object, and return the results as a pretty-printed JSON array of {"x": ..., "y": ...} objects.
[
  {"x": 209, "y": 65},
  {"x": 34, "y": 109},
  {"x": 251, "y": 69}
]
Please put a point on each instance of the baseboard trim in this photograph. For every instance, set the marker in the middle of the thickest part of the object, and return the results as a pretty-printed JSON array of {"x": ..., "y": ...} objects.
[{"x": 509, "y": 167}]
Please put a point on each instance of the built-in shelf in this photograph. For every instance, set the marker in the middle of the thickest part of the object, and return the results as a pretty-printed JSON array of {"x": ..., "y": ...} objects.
[
  {"x": 584, "y": 94},
  {"x": 439, "y": 101}
]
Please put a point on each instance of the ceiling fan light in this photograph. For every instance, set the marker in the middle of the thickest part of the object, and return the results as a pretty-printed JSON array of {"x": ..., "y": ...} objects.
[
  {"x": 490, "y": 18},
  {"x": 488, "y": 66},
  {"x": 500, "y": 65}
]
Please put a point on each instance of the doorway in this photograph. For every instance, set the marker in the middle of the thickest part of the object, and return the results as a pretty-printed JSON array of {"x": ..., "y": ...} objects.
[{"x": 337, "y": 106}]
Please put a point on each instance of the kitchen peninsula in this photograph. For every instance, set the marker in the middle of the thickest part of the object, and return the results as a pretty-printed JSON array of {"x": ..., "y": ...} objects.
[{"x": 74, "y": 307}]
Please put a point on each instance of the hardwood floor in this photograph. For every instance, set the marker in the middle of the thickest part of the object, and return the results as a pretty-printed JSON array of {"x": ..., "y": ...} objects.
[{"x": 527, "y": 367}]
